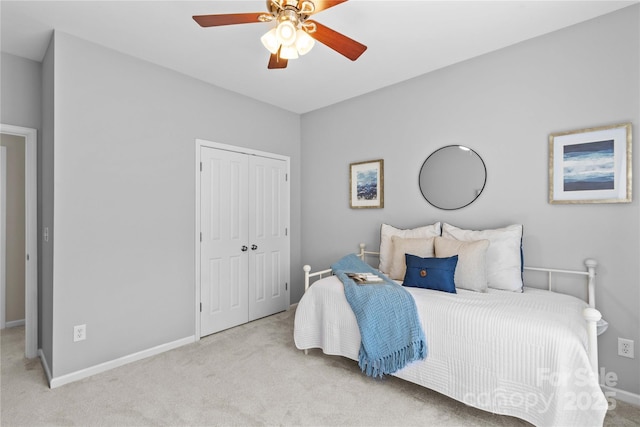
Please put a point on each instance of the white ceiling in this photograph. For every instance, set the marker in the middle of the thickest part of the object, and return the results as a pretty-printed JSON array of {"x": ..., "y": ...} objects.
[{"x": 404, "y": 38}]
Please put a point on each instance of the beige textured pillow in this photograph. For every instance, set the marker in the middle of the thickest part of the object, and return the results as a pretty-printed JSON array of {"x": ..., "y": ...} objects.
[
  {"x": 418, "y": 247},
  {"x": 504, "y": 257},
  {"x": 387, "y": 231},
  {"x": 470, "y": 271}
]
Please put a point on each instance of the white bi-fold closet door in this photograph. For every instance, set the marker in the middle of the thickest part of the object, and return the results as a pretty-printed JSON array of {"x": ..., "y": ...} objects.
[{"x": 244, "y": 248}]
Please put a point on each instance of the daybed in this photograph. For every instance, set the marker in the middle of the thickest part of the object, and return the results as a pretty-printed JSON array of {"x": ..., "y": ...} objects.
[{"x": 504, "y": 348}]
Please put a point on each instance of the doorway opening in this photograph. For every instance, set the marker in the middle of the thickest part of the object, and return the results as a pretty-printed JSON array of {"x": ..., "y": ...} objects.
[{"x": 31, "y": 235}]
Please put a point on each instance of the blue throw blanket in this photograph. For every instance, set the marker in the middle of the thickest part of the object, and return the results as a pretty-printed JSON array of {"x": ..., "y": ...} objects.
[{"x": 392, "y": 336}]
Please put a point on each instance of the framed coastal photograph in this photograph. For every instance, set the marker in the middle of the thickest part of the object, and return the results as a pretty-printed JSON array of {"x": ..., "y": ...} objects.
[
  {"x": 366, "y": 184},
  {"x": 591, "y": 165}
]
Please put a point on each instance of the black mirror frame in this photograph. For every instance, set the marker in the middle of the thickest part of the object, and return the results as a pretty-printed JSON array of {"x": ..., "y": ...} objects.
[{"x": 484, "y": 166}]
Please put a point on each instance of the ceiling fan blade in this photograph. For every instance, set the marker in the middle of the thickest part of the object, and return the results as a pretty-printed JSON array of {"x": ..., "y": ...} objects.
[
  {"x": 227, "y": 19},
  {"x": 321, "y": 5},
  {"x": 276, "y": 61},
  {"x": 336, "y": 41}
]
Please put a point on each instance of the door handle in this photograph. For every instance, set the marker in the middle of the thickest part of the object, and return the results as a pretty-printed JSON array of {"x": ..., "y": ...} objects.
[
  {"x": 244, "y": 248},
  {"x": 254, "y": 247}
]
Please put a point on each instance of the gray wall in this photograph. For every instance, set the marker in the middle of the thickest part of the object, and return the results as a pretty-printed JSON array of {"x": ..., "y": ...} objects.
[
  {"x": 503, "y": 105},
  {"x": 20, "y": 88},
  {"x": 124, "y": 184},
  {"x": 45, "y": 199},
  {"x": 21, "y": 105}
]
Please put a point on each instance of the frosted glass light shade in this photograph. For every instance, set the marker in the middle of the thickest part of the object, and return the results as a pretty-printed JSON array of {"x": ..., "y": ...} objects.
[
  {"x": 289, "y": 52},
  {"x": 304, "y": 42},
  {"x": 270, "y": 41},
  {"x": 286, "y": 33}
]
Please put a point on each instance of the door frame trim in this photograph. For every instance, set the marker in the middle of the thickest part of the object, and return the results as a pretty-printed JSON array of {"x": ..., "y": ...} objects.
[
  {"x": 31, "y": 234},
  {"x": 199, "y": 144},
  {"x": 3, "y": 236}
]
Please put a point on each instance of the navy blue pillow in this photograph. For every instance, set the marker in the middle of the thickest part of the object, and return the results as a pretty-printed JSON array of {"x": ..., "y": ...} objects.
[{"x": 431, "y": 273}]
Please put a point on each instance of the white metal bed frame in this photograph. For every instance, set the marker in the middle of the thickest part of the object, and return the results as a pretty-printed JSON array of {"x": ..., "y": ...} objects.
[{"x": 590, "y": 314}]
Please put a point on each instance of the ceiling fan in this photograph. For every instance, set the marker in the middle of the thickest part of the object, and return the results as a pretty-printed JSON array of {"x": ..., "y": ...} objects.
[{"x": 294, "y": 33}]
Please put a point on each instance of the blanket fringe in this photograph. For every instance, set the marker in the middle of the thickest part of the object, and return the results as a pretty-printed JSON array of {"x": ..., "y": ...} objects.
[{"x": 417, "y": 350}]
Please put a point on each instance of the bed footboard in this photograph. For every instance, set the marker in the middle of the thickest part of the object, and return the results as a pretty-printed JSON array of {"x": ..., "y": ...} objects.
[
  {"x": 590, "y": 314},
  {"x": 308, "y": 275}
]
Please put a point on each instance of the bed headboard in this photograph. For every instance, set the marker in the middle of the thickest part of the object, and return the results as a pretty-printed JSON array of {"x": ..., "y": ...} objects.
[{"x": 590, "y": 273}]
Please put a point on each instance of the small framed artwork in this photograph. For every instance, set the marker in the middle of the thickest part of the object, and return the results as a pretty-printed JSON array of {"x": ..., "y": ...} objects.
[
  {"x": 591, "y": 165},
  {"x": 366, "y": 184}
]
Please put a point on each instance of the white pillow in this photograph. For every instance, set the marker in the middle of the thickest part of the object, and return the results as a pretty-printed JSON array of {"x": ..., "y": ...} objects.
[
  {"x": 470, "y": 271},
  {"x": 386, "y": 231},
  {"x": 401, "y": 246},
  {"x": 504, "y": 262}
]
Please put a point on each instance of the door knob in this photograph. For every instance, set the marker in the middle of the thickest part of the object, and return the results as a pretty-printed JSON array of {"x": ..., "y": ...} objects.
[
  {"x": 244, "y": 248},
  {"x": 254, "y": 247}
]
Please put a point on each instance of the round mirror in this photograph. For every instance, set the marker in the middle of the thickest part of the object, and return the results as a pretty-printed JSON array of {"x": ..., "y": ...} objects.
[{"x": 452, "y": 177}]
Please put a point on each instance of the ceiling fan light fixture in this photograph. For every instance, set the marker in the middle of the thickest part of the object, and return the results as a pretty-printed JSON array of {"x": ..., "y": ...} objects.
[
  {"x": 286, "y": 33},
  {"x": 289, "y": 52},
  {"x": 304, "y": 42},
  {"x": 293, "y": 33},
  {"x": 270, "y": 41}
]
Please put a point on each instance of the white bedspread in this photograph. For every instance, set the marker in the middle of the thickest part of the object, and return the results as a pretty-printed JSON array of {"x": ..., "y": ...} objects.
[{"x": 519, "y": 354}]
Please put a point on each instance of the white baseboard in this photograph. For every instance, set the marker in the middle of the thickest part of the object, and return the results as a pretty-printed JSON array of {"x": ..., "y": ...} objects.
[
  {"x": 106, "y": 366},
  {"x": 622, "y": 395},
  {"x": 14, "y": 323}
]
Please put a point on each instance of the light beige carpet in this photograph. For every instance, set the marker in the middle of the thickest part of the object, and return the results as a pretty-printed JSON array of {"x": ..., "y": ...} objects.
[{"x": 250, "y": 375}]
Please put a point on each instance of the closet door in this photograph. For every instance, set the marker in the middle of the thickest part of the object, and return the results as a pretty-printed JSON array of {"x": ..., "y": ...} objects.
[
  {"x": 268, "y": 237},
  {"x": 224, "y": 254}
]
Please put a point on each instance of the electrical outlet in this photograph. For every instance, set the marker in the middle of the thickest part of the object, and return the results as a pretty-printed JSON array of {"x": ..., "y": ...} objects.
[
  {"x": 79, "y": 333},
  {"x": 625, "y": 348}
]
